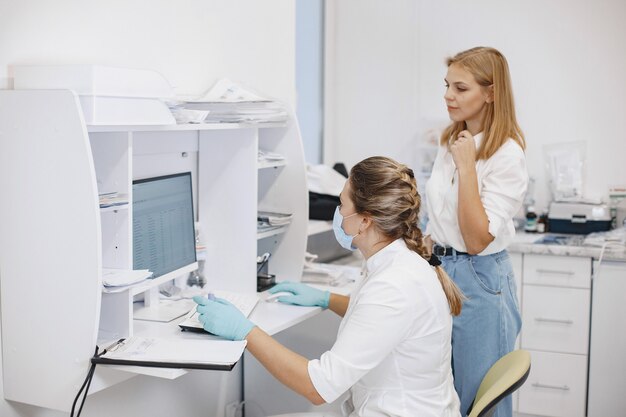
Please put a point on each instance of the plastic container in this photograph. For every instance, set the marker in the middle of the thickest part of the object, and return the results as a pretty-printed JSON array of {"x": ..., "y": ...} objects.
[
  {"x": 531, "y": 220},
  {"x": 108, "y": 95},
  {"x": 542, "y": 222}
]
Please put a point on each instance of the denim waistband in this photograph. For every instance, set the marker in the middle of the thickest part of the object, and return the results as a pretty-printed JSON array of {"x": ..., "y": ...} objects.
[
  {"x": 446, "y": 251},
  {"x": 442, "y": 251}
]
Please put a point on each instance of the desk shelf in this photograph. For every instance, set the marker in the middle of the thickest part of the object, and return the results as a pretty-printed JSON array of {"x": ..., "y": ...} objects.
[
  {"x": 271, "y": 164},
  {"x": 262, "y": 234},
  {"x": 78, "y": 239},
  {"x": 114, "y": 208},
  {"x": 194, "y": 127}
]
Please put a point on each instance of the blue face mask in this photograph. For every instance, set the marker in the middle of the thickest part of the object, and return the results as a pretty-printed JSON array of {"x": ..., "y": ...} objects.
[{"x": 344, "y": 239}]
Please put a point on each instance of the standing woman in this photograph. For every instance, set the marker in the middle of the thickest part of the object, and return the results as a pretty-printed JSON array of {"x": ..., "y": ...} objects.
[
  {"x": 477, "y": 185},
  {"x": 393, "y": 351}
]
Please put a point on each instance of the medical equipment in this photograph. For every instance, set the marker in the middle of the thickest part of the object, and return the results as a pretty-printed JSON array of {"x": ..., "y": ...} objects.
[{"x": 578, "y": 218}]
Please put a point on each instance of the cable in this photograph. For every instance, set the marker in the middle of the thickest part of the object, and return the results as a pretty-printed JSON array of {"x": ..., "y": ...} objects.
[
  {"x": 602, "y": 250},
  {"x": 262, "y": 260},
  {"x": 237, "y": 409},
  {"x": 85, "y": 386}
]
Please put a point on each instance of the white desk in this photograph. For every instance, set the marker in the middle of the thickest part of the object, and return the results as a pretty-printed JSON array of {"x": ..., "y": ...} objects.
[
  {"x": 305, "y": 330},
  {"x": 274, "y": 317}
]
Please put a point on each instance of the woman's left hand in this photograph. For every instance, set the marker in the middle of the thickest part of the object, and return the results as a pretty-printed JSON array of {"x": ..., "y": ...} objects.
[{"x": 463, "y": 151}]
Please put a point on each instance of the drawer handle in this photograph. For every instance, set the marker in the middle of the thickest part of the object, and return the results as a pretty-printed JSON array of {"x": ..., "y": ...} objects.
[
  {"x": 554, "y": 271},
  {"x": 562, "y": 387},
  {"x": 542, "y": 320}
]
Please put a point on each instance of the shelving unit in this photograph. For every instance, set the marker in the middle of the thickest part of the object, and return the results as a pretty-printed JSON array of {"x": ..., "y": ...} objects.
[
  {"x": 271, "y": 164},
  {"x": 54, "y": 230},
  {"x": 271, "y": 232},
  {"x": 556, "y": 334}
]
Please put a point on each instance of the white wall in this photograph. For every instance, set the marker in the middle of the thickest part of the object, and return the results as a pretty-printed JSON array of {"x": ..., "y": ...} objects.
[
  {"x": 371, "y": 95},
  {"x": 309, "y": 76},
  {"x": 192, "y": 43},
  {"x": 567, "y": 61}
]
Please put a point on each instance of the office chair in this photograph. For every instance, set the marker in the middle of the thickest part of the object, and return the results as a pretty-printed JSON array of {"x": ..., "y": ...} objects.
[{"x": 503, "y": 378}]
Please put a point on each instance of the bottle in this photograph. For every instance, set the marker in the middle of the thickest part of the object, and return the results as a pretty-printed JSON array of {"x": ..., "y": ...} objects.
[
  {"x": 542, "y": 222},
  {"x": 531, "y": 220}
]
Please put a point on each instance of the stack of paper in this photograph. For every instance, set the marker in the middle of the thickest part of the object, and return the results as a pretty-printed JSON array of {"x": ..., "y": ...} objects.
[
  {"x": 267, "y": 156},
  {"x": 173, "y": 353},
  {"x": 228, "y": 102},
  {"x": 185, "y": 116},
  {"x": 274, "y": 219},
  {"x": 112, "y": 199}
]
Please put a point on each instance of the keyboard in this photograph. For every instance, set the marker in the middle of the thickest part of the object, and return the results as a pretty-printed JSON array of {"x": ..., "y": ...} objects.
[{"x": 245, "y": 302}]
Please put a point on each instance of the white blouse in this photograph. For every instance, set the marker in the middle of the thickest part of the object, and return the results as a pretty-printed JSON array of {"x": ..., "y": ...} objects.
[
  {"x": 393, "y": 347},
  {"x": 502, "y": 183}
]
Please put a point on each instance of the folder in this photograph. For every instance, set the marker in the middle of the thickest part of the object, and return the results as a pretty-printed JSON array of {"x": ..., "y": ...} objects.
[{"x": 173, "y": 353}]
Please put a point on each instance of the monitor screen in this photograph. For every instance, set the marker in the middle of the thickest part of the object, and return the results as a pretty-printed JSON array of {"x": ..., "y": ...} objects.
[{"x": 163, "y": 223}]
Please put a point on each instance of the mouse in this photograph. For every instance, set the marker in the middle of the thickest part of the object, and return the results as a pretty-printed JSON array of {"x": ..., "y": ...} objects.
[{"x": 272, "y": 298}]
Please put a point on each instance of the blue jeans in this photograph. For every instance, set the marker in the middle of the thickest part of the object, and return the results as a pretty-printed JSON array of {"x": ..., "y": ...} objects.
[{"x": 488, "y": 324}]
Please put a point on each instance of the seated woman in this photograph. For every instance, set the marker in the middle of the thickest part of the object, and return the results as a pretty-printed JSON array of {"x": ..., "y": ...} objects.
[{"x": 393, "y": 346}]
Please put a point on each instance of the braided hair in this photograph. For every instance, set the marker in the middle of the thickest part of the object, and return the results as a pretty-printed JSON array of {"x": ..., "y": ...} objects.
[{"x": 386, "y": 191}]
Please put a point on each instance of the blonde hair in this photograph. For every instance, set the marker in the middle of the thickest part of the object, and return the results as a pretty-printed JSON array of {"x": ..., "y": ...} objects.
[
  {"x": 489, "y": 68},
  {"x": 386, "y": 191}
]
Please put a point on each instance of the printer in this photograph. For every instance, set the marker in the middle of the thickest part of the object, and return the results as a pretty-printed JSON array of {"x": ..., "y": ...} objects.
[{"x": 578, "y": 218}]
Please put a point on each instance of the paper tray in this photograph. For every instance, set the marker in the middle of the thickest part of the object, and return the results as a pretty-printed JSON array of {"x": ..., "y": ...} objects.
[
  {"x": 176, "y": 365},
  {"x": 175, "y": 352}
]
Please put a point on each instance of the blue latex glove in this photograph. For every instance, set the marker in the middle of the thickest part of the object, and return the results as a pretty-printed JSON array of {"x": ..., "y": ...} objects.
[
  {"x": 221, "y": 318},
  {"x": 303, "y": 295}
]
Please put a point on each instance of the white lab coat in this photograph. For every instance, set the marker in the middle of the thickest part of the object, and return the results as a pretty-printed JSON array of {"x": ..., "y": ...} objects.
[{"x": 393, "y": 347}]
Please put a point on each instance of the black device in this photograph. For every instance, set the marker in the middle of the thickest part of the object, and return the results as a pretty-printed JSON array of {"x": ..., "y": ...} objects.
[{"x": 264, "y": 280}]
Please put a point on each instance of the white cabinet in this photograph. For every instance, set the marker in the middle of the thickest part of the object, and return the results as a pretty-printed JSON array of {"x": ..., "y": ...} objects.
[
  {"x": 50, "y": 248},
  {"x": 560, "y": 271},
  {"x": 55, "y": 240},
  {"x": 282, "y": 188},
  {"x": 555, "y": 316},
  {"x": 517, "y": 263},
  {"x": 556, "y": 386},
  {"x": 607, "y": 361},
  {"x": 556, "y": 319}
]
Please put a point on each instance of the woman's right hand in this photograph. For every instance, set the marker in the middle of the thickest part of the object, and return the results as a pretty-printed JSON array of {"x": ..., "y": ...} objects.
[
  {"x": 221, "y": 318},
  {"x": 303, "y": 295}
]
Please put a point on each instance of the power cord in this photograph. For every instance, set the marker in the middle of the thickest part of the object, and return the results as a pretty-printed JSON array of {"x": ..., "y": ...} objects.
[
  {"x": 236, "y": 409},
  {"x": 261, "y": 261},
  {"x": 613, "y": 243},
  {"x": 85, "y": 385}
]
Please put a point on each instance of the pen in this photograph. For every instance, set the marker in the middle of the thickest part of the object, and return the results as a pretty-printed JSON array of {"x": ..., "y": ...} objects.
[{"x": 114, "y": 346}]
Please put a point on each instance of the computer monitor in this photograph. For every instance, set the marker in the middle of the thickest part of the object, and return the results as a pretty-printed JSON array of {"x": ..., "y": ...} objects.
[{"x": 163, "y": 223}]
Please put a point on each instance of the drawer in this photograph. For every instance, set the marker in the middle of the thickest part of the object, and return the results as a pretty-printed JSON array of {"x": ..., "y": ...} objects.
[
  {"x": 565, "y": 271},
  {"x": 556, "y": 319},
  {"x": 556, "y": 386}
]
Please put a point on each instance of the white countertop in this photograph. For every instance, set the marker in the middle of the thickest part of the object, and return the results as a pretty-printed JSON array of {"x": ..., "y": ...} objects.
[{"x": 525, "y": 243}]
